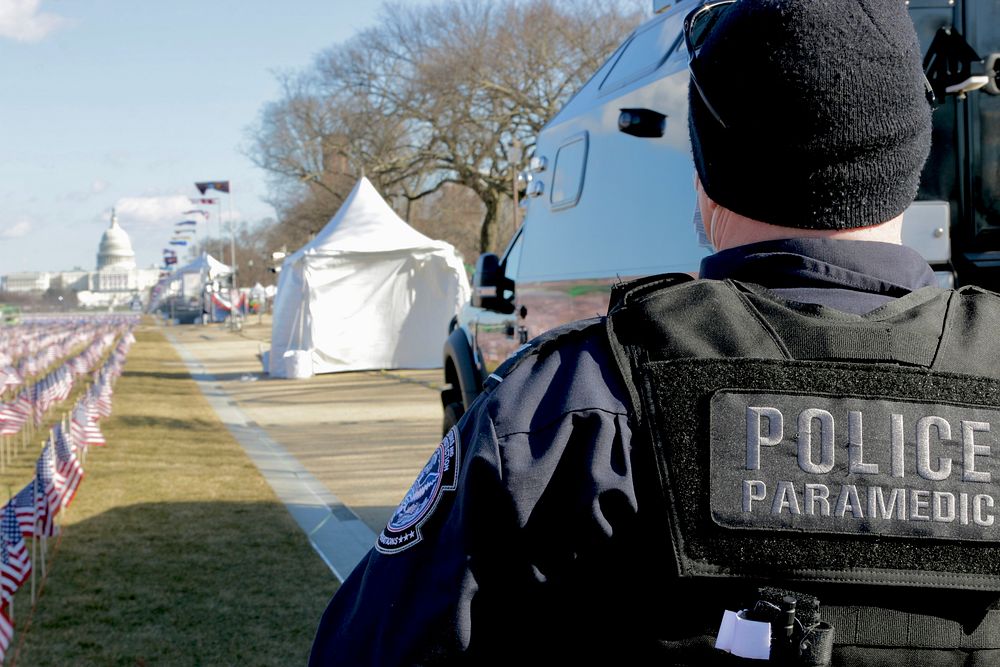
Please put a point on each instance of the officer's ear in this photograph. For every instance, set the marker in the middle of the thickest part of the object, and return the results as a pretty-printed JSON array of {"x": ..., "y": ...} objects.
[{"x": 707, "y": 207}]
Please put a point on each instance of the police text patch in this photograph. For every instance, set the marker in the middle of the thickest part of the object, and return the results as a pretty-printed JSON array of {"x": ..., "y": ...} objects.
[
  {"x": 439, "y": 474},
  {"x": 836, "y": 464}
]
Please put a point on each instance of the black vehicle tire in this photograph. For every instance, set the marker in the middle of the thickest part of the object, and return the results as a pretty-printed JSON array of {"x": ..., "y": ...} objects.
[{"x": 452, "y": 413}]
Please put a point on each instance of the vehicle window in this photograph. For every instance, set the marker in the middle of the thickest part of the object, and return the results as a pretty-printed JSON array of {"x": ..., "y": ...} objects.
[
  {"x": 986, "y": 162},
  {"x": 984, "y": 35},
  {"x": 568, "y": 172},
  {"x": 512, "y": 259},
  {"x": 645, "y": 52},
  {"x": 940, "y": 177}
]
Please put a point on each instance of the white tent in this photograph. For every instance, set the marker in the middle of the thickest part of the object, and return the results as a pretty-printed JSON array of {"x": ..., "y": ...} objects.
[
  {"x": 201, "y": 271},
  {"x": 189, "y": 280},
  {"x": 206, "y": 265},
  {"x": 368, "y": 292}
]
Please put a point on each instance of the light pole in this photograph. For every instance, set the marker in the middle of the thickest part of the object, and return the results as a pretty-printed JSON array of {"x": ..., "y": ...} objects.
[{"x": 515, "y": 162}]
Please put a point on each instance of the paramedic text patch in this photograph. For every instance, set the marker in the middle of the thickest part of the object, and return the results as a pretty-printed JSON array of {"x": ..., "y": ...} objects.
[{"x": 835, "y": 464}]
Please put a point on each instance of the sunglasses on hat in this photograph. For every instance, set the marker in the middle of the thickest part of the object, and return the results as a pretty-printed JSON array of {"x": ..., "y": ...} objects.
[{"x": 697, "y": 26}]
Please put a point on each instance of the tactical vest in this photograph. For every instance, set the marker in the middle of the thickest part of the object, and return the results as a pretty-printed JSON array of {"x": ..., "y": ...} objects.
[{"x": 847, "y": 460}]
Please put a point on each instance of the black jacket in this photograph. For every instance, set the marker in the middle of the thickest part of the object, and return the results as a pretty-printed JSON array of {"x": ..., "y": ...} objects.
[{"x": 523, "y": 539}]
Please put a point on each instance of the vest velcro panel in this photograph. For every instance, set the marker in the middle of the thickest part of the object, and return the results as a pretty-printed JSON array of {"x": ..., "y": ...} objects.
[{"x": 827, "y": 471}]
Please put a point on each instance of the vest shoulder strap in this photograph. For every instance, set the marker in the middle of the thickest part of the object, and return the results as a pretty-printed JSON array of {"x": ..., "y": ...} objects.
[{"x": 673, "y": 317}]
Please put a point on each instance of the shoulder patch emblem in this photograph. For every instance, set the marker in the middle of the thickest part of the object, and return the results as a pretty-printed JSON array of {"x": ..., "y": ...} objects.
[{"x": 439, "y": 474}]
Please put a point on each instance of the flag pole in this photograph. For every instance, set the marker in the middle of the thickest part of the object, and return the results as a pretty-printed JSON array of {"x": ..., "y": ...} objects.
[
  {"x": 222, "y": 236},
  {"x": 10, "y": 500},
  {"x": 30, "y": 422},
  {"x": 235, "y": 296},
  {"x": 43, "y": 543},
  {"x": 34, "y": 538}
]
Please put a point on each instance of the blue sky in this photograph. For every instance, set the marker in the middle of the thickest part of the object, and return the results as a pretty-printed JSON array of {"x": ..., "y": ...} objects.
[{"x": 126, "y": 103}]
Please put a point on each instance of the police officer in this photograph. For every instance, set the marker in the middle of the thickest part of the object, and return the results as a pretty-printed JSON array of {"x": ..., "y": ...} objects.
[{"x": 789, "y": 459}]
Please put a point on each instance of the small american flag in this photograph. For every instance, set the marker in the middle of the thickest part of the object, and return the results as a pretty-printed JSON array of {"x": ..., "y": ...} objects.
[
  {"x": 11, "y": 419},
  {"x": 38, "y": 399},
  {"x": 24, "y": 403},
  {"x": 6, "y": 633},
  {"x": 9, "y": 377},
  {"x": 77, "y": 439},
  {"x": 48, "y": 496},
  {"x": 84, "y": 429},
  {"x": 104, "y": 400},
  {"x": 25, "y": 509},
  {"x": 64, "y": 383},
  {"x": 68, "y": 468},
  {"x": 15, "y": 565}
]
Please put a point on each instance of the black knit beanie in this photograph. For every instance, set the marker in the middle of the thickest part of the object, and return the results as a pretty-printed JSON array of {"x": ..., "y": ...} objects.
[{"x": 824, "y": 101}]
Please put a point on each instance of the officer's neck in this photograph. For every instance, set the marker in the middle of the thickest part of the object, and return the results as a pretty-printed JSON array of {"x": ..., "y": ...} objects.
[
  {"x": 727, "y": 229},
  {"x": 731, "y": 229}
]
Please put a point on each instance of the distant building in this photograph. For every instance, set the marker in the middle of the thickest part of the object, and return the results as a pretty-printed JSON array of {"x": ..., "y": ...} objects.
[
  {"x": 27, "y": 281},
  {"x": 116, "y": 281},
  {"x": 75, "y": 280}
]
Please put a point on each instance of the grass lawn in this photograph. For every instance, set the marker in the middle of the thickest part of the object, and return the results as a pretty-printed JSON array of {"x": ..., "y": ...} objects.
[{"x": 175, "y": 550}]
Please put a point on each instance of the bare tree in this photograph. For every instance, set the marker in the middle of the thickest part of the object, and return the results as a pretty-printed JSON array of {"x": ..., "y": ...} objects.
[
  {"x": 453, "y": 213},
  {"x": 436, "y": 95},
  {"x": 298, "y": 141}
]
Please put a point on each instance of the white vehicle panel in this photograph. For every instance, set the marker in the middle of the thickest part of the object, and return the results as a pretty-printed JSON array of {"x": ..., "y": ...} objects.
[{"x": 633, "y": 188}]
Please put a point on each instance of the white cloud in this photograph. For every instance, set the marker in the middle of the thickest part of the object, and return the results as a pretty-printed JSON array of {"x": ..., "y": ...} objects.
[
  {"x": 148, "y": 212},
  {"x": 16, "y": 231},
  {"x": 22, "y": 20},
  {"x": 96, "y": 187}
]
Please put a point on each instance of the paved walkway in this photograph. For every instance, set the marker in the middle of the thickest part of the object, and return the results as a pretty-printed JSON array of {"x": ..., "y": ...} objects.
[{"x": 340, "y": 450}]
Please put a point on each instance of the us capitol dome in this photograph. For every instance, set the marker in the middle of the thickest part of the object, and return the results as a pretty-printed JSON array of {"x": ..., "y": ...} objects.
[
  {"x": 116, "y": 247},
  {"x": 116, "y": 279}
]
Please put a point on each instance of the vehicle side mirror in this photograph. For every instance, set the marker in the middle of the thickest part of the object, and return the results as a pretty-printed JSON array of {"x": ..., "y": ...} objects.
[{"x": 488, "y": 284}]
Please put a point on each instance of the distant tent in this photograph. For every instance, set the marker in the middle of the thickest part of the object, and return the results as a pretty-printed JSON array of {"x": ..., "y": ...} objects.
[
  {"x": 205, "y": 266},
  {"x": 189, "y": 280},
  {"x": 368, "y": 292}
]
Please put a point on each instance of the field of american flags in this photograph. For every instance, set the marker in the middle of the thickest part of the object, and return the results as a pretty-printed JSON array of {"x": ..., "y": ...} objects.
[
  {"x": 174, "y": 550},
  {"x": 42, "y": 363}
]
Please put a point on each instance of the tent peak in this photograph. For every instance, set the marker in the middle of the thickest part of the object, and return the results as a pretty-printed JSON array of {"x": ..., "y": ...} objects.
[{"x": 366, "y": 223}]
